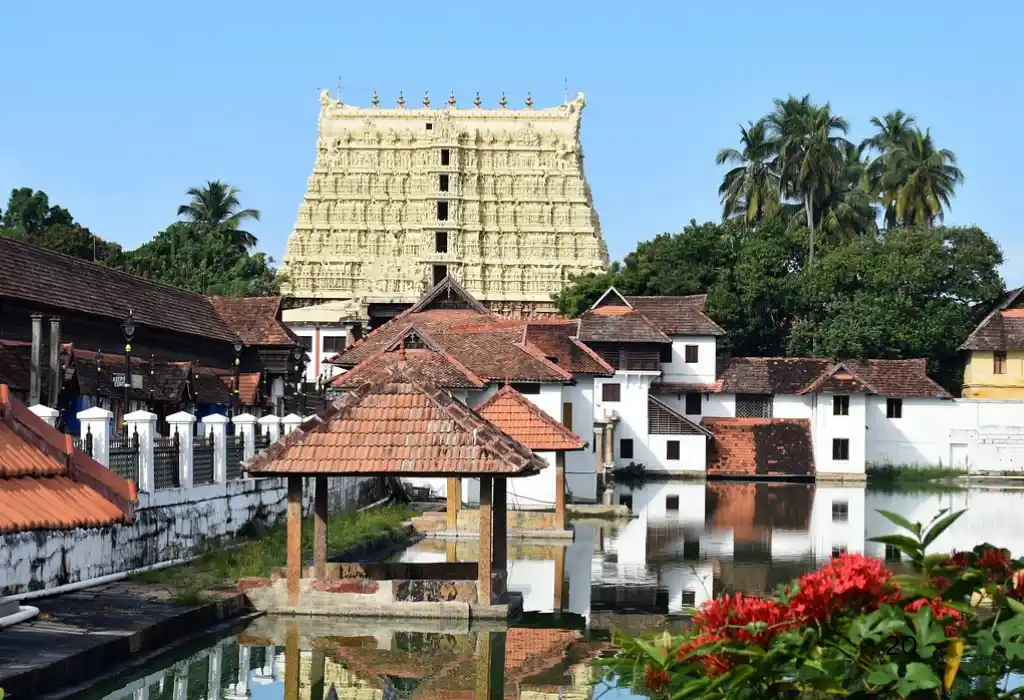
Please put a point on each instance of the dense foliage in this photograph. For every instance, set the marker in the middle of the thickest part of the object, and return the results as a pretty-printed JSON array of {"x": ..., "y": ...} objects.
[
  {"x": 209, "y": 252},
  {"x": 827, "y": 247},
  {"x": 953, "y": 627}
]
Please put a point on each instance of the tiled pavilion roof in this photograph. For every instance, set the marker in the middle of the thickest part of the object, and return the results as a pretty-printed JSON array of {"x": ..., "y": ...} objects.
[
  {"x": 517, "y": 416},
  {"x": 396, "y": 421},
  {"x": 47, "y": 484},
  {"x": 256, "y": 320}
]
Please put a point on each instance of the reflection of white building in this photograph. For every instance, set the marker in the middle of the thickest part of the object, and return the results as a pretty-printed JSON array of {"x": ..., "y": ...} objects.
[{"x": 989, "y": 518}]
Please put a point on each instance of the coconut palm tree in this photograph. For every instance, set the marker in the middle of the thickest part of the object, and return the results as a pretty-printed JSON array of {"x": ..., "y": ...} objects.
[
  {"x": 923, "y": 178},
  {"x": 848, "y": 210},
  {"x": 892, "y": 131},
  {"x": 214, "y": 207},
  {"x": 810, "y": 146},
  {"x": 751, "y": 189}
]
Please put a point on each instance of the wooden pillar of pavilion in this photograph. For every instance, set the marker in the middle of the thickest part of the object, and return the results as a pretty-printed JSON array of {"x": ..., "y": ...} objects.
[
  {"x": 320, "y": 528},
  {"x": 559, "y": 595},
  {"x": 560, "y": 490},
  {"x": 454, "y": 502},
  {"x": 490, "y": 666},
  {"x": 500, "y": 527},
  {"x": 294, "y": 537},
  {"x": 291, "y": 654},
  {"x": 484, "y": 584}
]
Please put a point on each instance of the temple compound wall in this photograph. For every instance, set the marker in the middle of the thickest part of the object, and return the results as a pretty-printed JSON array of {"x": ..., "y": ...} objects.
[{"x": 400, "y": 197}]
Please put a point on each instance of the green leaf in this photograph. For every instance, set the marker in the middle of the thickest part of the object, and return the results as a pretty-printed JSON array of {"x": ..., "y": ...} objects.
[
  {"x": 917, "y": 677},
  {"x": 1015, "y": 605},
  {"x": 941, "y": 526},
  {"x": 884, "y": 674},
  {"x": 903, "y": 543},
  {"x": 656, "y": 653},
  {"x": 898, "y": 519}
]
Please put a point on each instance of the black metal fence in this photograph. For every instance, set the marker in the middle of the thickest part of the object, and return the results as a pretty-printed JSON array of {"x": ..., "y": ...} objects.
[
  {"x": 124, "y": 456},
  {"x": 165, "y": 462},
  {"x": 84, "y": 445},
  {"x": 202, "y": 460},
  {"x": 235, "y": 453},
  {"x": 262, "y": 439}
]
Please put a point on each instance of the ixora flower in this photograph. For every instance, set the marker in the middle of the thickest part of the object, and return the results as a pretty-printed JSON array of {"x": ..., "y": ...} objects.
[
  {"x": 951, "y": 618},
  {"x": 656, "y": 679},
  {"x": 995, "y": 561},
  {"x": 849, "y": 581}
]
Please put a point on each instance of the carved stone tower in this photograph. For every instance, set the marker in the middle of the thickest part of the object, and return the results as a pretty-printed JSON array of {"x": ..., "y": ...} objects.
[{"x": 399, "y": 198}]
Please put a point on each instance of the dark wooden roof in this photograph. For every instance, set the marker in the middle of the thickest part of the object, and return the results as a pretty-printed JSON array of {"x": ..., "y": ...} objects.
[{"x": 1003, "y": 328}]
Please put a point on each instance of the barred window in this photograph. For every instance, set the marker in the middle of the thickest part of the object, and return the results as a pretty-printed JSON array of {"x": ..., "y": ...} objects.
[{"x": 753, "y": 405}]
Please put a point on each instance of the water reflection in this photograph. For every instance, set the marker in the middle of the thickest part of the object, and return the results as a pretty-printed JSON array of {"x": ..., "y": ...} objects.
[{"x": 686, "y": 542}]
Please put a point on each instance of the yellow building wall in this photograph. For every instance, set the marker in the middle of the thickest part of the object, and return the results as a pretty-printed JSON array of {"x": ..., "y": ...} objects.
[{"x": 980, "y": 382}]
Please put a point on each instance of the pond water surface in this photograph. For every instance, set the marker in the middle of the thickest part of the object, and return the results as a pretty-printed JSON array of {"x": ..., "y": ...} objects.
[{"x": 687, "y": 543}]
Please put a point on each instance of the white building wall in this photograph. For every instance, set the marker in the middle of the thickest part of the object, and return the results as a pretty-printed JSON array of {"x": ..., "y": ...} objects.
[
  {"x": 837, "y": 521},
  {"x": 580, "y": 469},
  {"x": 826, "y": 427},
  {"x": 632, "y": 413},
  {"x": 920, "y": 436},
  {"x": 700, "y": 372},
  {"x": 693, "y": 457},
  {"x": 792, "y": 406}
]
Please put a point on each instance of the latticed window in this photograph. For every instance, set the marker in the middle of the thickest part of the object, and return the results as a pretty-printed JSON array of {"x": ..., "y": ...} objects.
[
  {"x": 753, "y": 405},
  {"x": 661, "y": 420},
  {"x": 413, "y": 342}
]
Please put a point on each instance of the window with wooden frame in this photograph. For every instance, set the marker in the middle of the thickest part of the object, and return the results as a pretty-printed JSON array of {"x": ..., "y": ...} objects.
[
  {"x": 840, "y": 405},
  {"x": 672, "y": 450},
  {"x": 840, "y": 449},
  {"x": 693, "y": 404},
  {"x": 626, "y": 448},
  {"x": 691, "y": 354},
  {"x": 999, "y": 362},
  {"x": 840, "y": 511},
  {"x": 666, "y": 354},
  {"x": 894, "y": 408},
  {"x": 567, "y": 414},
  {"x": 334, "y": 343},
  {"x": 611, "y": 392},
  {"x": 672, "y": 504},
  {"x": 526, "y": 388}
]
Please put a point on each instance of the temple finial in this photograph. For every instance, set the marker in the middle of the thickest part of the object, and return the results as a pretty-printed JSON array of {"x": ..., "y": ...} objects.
[
  {"x": 401, "y": 99},
  {"x": 503, "y": 102},
  {"x": 451, "y": 98},
  {"x": 477, "y": 101},
  {"x": 376, "y": 99},
  {"x": 529, "y": 101},
  {"x": 426, "y": 98}
]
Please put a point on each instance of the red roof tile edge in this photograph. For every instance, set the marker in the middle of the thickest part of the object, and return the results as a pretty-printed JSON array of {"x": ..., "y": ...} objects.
[
  {"x": 502, "y": 446},
  {"x": 556, "y": 427},
  {"x": 831, "y": 371},
  {"x": 81, "y": 467}
]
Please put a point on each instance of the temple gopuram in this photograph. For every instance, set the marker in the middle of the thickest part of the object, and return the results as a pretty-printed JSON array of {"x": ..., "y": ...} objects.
[{"x": 401, "y": 197}]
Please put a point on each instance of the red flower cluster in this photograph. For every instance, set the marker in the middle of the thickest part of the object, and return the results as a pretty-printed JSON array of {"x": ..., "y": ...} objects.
[
  {"x": 951, "y": 618},
  {"x": 724, "y": 619},
  {"x": 957, "y": 560},
  {"x": 656, "y": 679},
  {"x": 995, "y": 561},
  {"x": 849, "y": 580}
]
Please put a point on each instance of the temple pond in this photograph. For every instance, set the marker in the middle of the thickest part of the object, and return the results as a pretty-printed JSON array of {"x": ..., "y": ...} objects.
[{"x": 688, "y": 542}]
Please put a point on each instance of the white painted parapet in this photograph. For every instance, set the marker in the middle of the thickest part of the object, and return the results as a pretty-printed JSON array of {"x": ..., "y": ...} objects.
[
  {"x": 50, "y": 415},
  {"x": 245, "y": 425},
  {"x": 144, "y": 423},
  {"x": 181, "y": 424},
  {"x": 95, "y": 421},
  {"x": 271, "y": 425},
  {"x": 217, "y": 426},
  {"x": 290, "y": 423}
]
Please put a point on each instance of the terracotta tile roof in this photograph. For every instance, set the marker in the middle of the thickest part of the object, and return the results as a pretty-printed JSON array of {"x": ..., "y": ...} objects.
[
  {"x": 249, "y": 388},
  {"x": 525, "y": 644},
  {"x": 1002, "y": 329},
  {"x": 752, "y": 510},
  {"x": 558, "y": 343},
  {"x": 45, "y": 278},
  {"x": 760, "y": 447},
  {"x": 897, "y": 378},
  {"x": 518, "y": 417},
  {"x": 256, "y": 320},
  {"x": 396, "y": 421},
  {"x": 46, "y": 484},
  {"x": 447, "y": 292},
  {"x": 212, "y": 385},
  {"x": 499, "y": 354},
  {"x": 677, "y": 315},
  {"x": 94, "y": 371},
  {"x": 619, "y": 324},
  {"x": 668, "y": 421},
  {"x": 170, "y": 381},
  {"x": 442, "y": 369},
  {"x": 685, "y": 388},
  {"x": 16, "y": 364},
  {"x": 771, "y": 375}
]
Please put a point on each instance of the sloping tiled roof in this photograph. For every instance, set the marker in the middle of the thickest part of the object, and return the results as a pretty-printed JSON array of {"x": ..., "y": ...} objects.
[
  {"x": 760, "y": 447},
  {"x": 396, "y": 421},
  {"x": 677, "y": 315},
  {"x": 518, "y": 417},
  {"x": 440, "y": 367},
  {"x": 771, "y": 375},
  {"x": 256, "y": 320},
  {"x": 46, "y": 484},
  {"x": 897, "y": 378},
  {"x": 556, "y": 340},
  {"x": 619, "y": 324},
  {"x": 1002, "y": 329},
  {"x": 668, "y": 419},
  {"x": 498, "y": 354},
  {"x": 448, "y": 291},
  {"x": 43, "y": 277}
]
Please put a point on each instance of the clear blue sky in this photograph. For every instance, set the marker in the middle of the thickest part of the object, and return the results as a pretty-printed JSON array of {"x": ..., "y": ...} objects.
[{"x": 115, "y": 108}]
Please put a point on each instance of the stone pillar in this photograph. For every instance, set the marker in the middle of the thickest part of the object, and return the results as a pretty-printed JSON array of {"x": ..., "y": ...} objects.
[
  {"x": 35, "y": 376},
  {"x": 56, "y": 370},
  {"x": 599, "y": 453},
  {"x": 454, "y": 492},
  {"x": 181, "y": 424},
  {"x": 245, "y": 425},
  {"x": 490, "y": 666},
  {"x": 143, "y": 423},
  {"x": 95, "y": 421},
  {"x": 217, "y": 425},
  {"x": 290, "y": 423},
  {"x": 213, "y": 678},
  {"x": 141, "y": 693},
  {"x": 560, "y": 490},
  {"x": 609, "y": 445},
  {"x": 500, "y": 507},
  {"x": 294, "y": 541},
  {"x": 320, "y": 527},
  {"x": 484, "y": 583},
  {"x": 316, "y": 674},
  {"x": 271, "y": 425},
  {"x": 50, "y": 415},
  {"x": 180, "y": 691},
  {"x": 244, "y": 662}
]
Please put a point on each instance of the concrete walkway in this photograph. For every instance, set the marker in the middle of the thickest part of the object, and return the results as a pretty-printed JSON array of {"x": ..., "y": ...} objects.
[{"x": 78, "y": 635}]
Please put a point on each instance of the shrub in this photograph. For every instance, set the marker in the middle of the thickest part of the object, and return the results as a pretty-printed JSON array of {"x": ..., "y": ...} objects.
[{"x": 953, "y": 627}]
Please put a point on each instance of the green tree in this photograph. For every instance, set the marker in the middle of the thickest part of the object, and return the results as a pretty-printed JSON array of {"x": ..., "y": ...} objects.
[
  {"x": 751, "y": 189},
  {"x": 892, "y": 131},
  {"x": 922, "y": 178},
  {"x": 214, "y": 208},
  {"x": 30, "y": 217}
]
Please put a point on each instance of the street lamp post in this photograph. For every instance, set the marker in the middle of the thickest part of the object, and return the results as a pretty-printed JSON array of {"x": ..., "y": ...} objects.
[
  {"x": 236, "y": 398},
  {"x": 299, "y": 353},
  {"x": 128, "y": 328}
]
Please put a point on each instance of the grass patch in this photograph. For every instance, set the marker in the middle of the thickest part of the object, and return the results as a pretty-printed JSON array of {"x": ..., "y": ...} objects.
[
  {"x": 913, "y": 478},
  {"x": 225, "y": 561}
]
